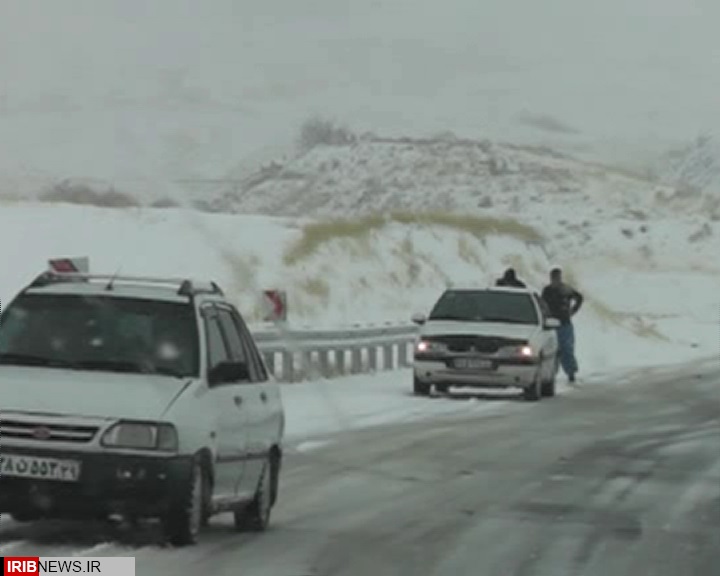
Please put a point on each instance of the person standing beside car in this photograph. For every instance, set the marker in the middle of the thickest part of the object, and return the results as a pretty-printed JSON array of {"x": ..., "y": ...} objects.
[{"x": 564, "y": 301}]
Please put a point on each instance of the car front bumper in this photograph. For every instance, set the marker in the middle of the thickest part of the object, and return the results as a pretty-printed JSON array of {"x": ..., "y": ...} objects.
[
  {"x": 503, "y": 373},
  {"x": 142, "y": 486}
]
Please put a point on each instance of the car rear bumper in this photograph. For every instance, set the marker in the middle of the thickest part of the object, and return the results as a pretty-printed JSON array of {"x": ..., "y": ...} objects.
[
  {"x": 502, "y": 374},
  {"x": 143, "y": 486}
]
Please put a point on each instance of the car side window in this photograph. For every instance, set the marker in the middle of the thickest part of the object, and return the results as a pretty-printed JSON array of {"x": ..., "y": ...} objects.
[
  {"x": 216, "y": 346},
  {"x": 251, "y": 347},
  {"x": 237, "y": 350}
]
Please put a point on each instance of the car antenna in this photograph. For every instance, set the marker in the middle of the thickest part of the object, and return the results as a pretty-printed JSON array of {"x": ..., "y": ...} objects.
[{"x": 112, "y": 279}]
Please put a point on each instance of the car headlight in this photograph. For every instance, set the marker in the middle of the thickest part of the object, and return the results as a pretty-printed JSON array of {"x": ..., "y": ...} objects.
[
  {"x": 521, "y": 351},
  {"x": 429, "y": 347},
  {"x": 141, "y": 436},
  {"x": 526, "y": 351}
]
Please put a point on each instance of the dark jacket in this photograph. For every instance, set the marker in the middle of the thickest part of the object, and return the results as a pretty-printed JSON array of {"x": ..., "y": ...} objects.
[
  {"x": 509, "y": 279},
  {"x": 563, "y": 301}
]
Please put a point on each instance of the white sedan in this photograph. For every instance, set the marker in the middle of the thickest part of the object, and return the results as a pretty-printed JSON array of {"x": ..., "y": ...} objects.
[{"x": 487, "y": 338}]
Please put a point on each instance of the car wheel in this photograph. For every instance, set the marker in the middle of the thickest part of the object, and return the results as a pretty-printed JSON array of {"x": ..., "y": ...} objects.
[
  {"x": 442, "y": 388},
  {"x": 420, "y": 388},
  {"x": 255, "y": 517},
  {"x": 207, "y": 502},
  {"x": 533, "y": 392},
  {"x": 183, "y": 521},
  {"x": 548, "y": 386},
  {"x": 275, "y": 465}
]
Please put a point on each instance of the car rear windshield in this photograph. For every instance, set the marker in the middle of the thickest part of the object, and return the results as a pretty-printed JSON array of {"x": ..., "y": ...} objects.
[
  {"x": 100, "y": 333},
  {"x": 485, "y": 306}
]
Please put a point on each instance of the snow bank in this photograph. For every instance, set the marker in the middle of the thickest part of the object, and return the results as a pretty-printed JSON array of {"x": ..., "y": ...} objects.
[{"x": 635, "y": 315}]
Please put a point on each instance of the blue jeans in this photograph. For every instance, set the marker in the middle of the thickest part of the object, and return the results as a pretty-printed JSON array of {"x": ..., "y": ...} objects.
[{"x": 566, "y": 345}]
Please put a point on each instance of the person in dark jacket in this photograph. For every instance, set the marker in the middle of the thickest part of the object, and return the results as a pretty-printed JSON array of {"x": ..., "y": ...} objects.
[
  {"x": 564, "y": 302},
  {"x": 509, "y": 279}
]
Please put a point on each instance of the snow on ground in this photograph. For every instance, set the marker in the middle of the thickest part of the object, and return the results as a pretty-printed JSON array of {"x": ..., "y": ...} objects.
[
  {"x": 328, "y": 406},
  {"x": 141, "y": 242},
  {"x": 645, "y": 311},
  {"x": 695, "y": 165},
  {"x": 378, "y": 173},
  {"x": 659, "y": 313}
]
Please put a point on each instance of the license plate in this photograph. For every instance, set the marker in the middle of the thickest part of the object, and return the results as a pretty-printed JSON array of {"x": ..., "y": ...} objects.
[
  {"x": 472, "y": 364},
  {"x": 19, "y": 466}
]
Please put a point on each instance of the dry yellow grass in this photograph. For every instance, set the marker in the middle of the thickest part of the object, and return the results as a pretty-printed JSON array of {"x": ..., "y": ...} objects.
[
  {"x": 316, "y": 287},
  {"x": 315, "y": 235}
]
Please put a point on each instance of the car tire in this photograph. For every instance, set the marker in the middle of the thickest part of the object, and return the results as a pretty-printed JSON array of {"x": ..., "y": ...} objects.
[
  {"x": 275, "y": 465},
  {"x": 207, "y": 502},
  {"x": 420, "y": 388},
  {"x": 255, "y": 517},
  {"x": 183, "y": 521},
  {"x": 548, "y": 386},
  {"x": 533, "y": 393},
  {"x": 442, "y": 388}
]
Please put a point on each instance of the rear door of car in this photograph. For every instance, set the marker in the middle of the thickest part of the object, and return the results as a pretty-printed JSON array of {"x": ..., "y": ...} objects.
[
  {"x": 231, "y": 413},
  {"x": 252, "y": 399},
  {"x": 273, "y": 418}
]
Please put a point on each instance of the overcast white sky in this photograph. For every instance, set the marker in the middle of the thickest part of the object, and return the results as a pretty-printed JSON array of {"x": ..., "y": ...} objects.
[{"x": 138, "y": 88}]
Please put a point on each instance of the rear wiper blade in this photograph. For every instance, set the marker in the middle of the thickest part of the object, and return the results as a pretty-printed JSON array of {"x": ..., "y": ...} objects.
[{"x": 32, "y": 360}]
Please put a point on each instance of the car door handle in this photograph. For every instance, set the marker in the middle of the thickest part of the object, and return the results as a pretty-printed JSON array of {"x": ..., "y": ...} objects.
[
  {"x": 263, "y": 396},
  {"x": 238, "y": 401}
]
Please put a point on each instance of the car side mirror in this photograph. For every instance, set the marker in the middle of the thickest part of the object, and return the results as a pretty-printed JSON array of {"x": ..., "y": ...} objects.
[
  {"x": 419, "y": 319},
  {"x": 227, "y": 372},
  {"x": 551, "y": 323}
]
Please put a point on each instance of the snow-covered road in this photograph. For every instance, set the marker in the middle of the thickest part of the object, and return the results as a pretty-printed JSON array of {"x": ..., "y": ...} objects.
[{"x": 380, "y": 482}]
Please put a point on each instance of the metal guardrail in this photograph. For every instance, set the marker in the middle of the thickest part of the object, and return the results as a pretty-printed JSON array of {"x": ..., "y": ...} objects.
[{"x": 294, "y": 355}]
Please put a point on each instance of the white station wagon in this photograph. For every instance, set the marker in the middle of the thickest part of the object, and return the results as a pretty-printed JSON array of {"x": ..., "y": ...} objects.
[
  {"x": 136, "y": 397},
  {"x": 487, "y": 338}
]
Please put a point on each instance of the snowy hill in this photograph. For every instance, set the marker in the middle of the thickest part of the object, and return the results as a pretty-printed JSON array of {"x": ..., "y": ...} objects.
[
  {"x": 572, "y": 202},
  {"x": 695, "y": 167},
  {"x": 374, "y": 174},
  {"x": 383, "y": 269}
]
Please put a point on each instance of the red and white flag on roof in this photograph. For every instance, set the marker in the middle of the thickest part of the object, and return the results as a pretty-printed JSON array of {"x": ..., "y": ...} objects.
[{"x": 70, "y": 265}]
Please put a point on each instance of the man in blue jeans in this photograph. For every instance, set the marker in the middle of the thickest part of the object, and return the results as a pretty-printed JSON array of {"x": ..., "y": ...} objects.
[{"x": 564, "y": 302}]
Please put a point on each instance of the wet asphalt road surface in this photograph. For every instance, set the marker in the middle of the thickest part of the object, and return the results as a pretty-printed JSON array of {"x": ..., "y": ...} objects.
[{"x": 607, "y": 480}]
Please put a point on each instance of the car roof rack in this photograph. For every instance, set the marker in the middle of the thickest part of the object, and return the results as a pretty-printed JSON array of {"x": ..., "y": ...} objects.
[{"x": 185, "y": 286}]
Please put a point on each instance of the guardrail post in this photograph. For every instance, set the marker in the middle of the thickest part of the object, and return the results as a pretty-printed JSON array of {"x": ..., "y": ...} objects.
[
  {"x": 356, "y": 360},
  {"x": 340, "y": 364},
  {"x": 324, "y": 362},
  {"x": 305, "y": 365},
  {"x": 388, "y": 356},
  {"x": 403, "y": 355},
  {"x": 288, "y": 365},
  {"x": 373, "y": 358},
  {"x": 270, "y": 362}
]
